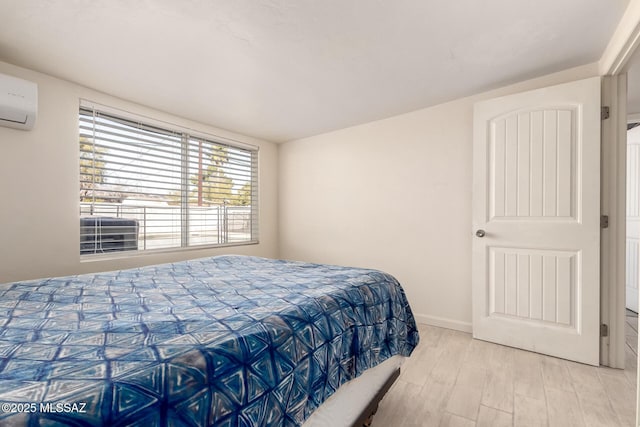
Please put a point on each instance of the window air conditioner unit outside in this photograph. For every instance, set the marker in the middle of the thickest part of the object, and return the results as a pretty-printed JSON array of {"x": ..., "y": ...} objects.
[{"x": 106, "y": 234}]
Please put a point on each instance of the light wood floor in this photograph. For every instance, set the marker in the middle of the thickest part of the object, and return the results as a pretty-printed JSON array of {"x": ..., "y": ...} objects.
[{"x": 453, "y": 380}]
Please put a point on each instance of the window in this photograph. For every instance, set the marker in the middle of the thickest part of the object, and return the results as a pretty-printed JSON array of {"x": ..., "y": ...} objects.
[{"x": 145, "y": 187}]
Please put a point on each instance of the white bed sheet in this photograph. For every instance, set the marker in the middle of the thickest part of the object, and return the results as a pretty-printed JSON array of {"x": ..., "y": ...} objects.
[{"x": 345, "y": 406}]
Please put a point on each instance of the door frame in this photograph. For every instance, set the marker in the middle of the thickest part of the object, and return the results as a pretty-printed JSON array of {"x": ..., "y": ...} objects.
[
  {"x": 613, "y": 66},
  {"x": 613, "y": 205}
]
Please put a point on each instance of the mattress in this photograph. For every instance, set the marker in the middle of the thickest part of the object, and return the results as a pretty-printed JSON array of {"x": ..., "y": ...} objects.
[{"x": 219, "y": 341}]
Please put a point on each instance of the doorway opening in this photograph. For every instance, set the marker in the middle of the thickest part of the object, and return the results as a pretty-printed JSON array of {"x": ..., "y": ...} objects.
[{"x": 632, "y": 252}]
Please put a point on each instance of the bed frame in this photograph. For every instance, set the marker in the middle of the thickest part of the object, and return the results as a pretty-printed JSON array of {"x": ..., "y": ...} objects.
[{"x": 366, "y": 416}]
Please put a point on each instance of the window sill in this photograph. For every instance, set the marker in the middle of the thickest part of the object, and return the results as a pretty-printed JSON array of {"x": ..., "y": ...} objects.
[{"x": 116, "y": 255}]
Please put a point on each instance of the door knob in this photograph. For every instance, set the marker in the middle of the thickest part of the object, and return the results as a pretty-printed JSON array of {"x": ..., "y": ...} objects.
[{"x": 480, "y": 233}]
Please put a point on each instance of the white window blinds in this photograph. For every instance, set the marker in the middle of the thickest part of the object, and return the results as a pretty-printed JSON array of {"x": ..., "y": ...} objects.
[{"x": 144, "y": 187}]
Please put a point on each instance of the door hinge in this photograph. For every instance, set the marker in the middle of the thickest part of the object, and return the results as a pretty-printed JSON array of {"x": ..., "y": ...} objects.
[
  {"x": 604, "y": 330},
  {"x": 604, "y": 221},
  {"x": 604, "y": 113}
]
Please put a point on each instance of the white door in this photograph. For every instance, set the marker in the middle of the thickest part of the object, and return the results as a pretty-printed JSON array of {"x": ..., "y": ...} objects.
[
  {"x": 633, "y": 218},
  {"x": 536, "y": 219}
]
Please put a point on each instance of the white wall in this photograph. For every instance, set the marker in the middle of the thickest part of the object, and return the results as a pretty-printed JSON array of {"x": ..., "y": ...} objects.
[
  {"x": 395, "y": 195},
  {"x": 40, "y": 168}
]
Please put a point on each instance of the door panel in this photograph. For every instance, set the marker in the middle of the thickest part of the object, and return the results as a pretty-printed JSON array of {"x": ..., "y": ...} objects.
[
  {"x": 534, "y": 285},
  {"x": 536, "y": 196}
]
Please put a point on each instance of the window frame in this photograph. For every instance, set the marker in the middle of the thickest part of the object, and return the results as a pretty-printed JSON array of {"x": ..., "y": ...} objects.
[{"x": 187, "y": 137}]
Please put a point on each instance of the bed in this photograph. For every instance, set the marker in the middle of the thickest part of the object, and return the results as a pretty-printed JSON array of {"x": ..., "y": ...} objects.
[{"x": 224, "y": 341}]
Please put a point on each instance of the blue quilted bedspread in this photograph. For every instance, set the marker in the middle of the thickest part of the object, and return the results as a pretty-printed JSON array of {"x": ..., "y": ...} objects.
[{"x": 224, "y": 341}]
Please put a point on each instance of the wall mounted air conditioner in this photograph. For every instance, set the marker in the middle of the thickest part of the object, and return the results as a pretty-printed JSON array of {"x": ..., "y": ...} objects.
[{"x": 18, "y": 102}]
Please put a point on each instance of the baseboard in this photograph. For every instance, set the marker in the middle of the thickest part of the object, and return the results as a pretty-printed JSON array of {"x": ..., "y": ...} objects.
[{"x": 443, "y": 322}]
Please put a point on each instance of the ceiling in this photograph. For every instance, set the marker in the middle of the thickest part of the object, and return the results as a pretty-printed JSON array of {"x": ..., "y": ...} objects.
[{"x": 285, "y": 69}]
